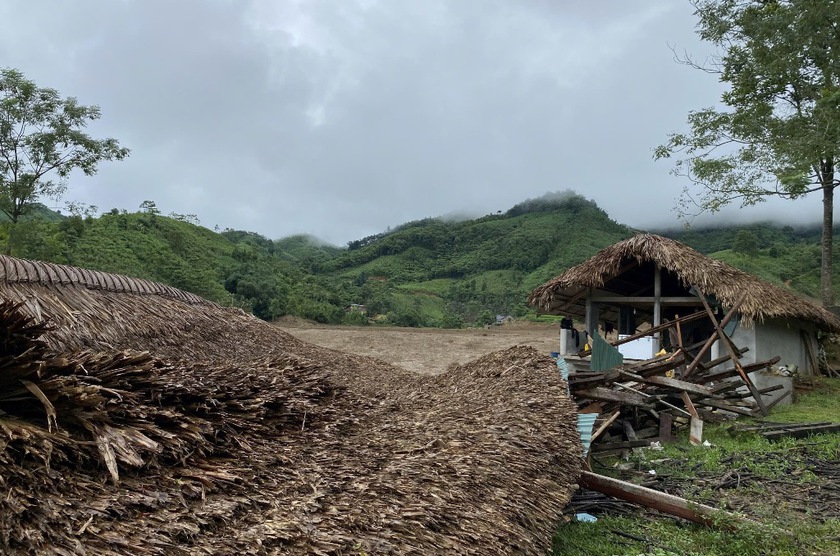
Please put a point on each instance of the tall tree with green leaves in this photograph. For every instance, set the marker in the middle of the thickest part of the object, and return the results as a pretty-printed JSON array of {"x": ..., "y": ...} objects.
[
  {"x": 745, "y": 243},
  {"x": 42, "y": 135},
  {"x": 777, "y": 131}
]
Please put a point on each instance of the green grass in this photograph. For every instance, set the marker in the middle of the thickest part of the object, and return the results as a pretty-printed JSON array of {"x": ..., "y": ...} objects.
[
  {"x": 823, "y": 404},
  {"x": 669, "y": 537},
  {"x": 770, "y": 470}
]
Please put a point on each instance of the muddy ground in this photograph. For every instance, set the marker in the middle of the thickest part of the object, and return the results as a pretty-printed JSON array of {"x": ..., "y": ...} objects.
[{"x": 424, "y": 350}]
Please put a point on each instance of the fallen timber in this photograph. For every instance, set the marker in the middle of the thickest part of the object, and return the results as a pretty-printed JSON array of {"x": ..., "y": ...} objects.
[
  {"x": 664, "y": 502},
  {"x": 671, "y": 390}
]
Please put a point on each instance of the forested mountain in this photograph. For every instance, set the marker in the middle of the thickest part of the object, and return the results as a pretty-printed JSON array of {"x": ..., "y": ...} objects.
[{"x": 431, "y": 272}]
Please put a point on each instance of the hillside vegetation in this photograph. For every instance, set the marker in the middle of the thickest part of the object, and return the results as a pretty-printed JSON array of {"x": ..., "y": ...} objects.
[{"x": 431, "y": 272}]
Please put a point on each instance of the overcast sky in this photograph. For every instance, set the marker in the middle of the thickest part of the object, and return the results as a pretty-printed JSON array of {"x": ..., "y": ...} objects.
[{"x": 339, "y": 118}]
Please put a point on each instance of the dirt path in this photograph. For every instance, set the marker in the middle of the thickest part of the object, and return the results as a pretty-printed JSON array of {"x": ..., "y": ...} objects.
[{"x": 425, "y": 350}]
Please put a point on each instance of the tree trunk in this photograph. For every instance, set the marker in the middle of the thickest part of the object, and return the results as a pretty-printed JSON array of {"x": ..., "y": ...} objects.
[{"x": 827, "y": 179}]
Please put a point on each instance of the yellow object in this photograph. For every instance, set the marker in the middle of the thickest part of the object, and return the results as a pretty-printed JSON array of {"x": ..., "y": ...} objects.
[
  {"x": 661, "y": 352},
  {"x": 670, "y": 373}
]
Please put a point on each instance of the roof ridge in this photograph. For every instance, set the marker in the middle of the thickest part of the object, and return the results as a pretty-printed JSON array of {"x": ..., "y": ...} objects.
[{"x": 16, "y": 270}]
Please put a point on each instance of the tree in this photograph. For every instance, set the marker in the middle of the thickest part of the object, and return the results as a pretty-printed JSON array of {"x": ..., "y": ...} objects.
[
  {"x": 41, "y": 134},
  {"x": 778, "y": 134},
  {"x": 745, "y": 243}
]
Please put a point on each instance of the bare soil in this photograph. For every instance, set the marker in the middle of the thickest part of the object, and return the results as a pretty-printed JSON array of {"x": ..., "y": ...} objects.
[{"x": 424, "y": 350}]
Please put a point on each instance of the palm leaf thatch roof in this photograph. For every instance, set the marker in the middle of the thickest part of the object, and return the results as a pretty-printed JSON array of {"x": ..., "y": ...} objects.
[
  {"x": 711, "y": 277},
  {"x": 138, "y": 419}
]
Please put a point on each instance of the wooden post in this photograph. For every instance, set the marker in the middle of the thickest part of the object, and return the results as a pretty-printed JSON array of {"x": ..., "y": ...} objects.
[
  {"x": 714, "y": 335},
  {"x": 666, "y": 423},
  {"x": 592, "y": 314},
  {"x": 724, "y": 339},
  {"x": 657, "y": 307}
]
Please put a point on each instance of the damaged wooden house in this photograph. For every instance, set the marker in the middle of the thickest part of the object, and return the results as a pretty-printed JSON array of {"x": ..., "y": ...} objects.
[{"x": 685, "y": 327}]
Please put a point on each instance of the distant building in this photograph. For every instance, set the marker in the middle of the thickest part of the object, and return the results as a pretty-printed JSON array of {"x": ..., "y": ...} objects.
[
  {"x": 356, "y": 308},
  {"x": 503, "y": 319}
]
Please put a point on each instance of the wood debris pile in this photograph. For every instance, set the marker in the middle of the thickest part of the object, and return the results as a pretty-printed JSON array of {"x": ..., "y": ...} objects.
[
  {"x": 642, "y": 401},
  {"x": 137, "y": 424}
]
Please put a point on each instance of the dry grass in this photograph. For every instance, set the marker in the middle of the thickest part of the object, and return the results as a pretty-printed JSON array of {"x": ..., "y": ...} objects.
[{"x": 141, "y": 423}]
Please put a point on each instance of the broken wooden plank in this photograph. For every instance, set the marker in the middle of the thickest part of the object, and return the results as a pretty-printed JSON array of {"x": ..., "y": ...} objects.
[
  {"x": 732, "y": 371},
  {"x": 780, "y": 398},
  {"x": 765, "y": 426},
  {"x": 649, "y": 498},
  {"x": 722, "y": 359},
  {"x": 605, "y": 425},
  {"x": 608, "y": 395},
  {"x": 801, "y": 431},
  {"x": 763, "y": 391},
  {"x": 695, "y": 434},
  {"x": 666, "y": 427},
  {"x": 623, "y": 445},
  {"x": 732, "y": 350},
  {"x": 717, "y": 404},
  {"x": 657, "y": 367},
  {"x": 689, "y": 405},
  {"x": 671, "y": 383},
  {"x": 715, "y": 334}
]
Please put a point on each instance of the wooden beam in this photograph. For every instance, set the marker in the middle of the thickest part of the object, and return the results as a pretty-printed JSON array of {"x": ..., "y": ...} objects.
[
  {"x": 623, "y": 445},
  {"x": 732, "y": 371},
  {"x": 806, "y": 339},
  {"x": 608, "y": 395},
  {"x": 627, "y": 300},
  {"x": 725, "y": 406},
  {"x": 657, "y": 306},
  {"x": 666, "y": 426},
  {"x": 649, "y": 498},
  {"x": 671, "y": 383},
  {"x": 714, "y": 335},
  {"x": 801, "y": 431},
  {"x": 689, "y": 318},
  {"x": 733, "y": 354},
  {"x": 605, "y": 425},
  {"x": 689, "y": 405},
  {"x": 723, "y": 359},
  {"x": 568, "y": 302}
]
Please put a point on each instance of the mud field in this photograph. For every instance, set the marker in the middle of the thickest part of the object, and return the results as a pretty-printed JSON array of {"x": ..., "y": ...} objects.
[{"x": 424, "y": 350}]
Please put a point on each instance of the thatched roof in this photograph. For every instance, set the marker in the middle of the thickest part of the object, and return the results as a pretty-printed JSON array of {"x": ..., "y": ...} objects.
[
  {"x": 712, "y": 277},
  {"x": 152, "y": 422}
]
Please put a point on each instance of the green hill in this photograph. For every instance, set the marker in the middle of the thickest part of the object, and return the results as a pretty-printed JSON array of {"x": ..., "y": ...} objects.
[
  {"x": 434, "y": 271},
  {"x": 431, "y": 272}
]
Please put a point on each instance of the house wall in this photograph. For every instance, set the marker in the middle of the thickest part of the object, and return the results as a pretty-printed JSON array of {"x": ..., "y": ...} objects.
[
  {"x": 742, "y": 337},
  {"x": 771, "y": 338},
  {"x": 768, "y": 339},
  {"x": 782, "y": 337}
]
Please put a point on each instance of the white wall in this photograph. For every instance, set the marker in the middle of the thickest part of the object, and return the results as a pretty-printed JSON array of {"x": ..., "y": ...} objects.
[
  {"x": 741, "y": 337},
  {"x": 771, "y": 338},
  {"x": 782, "y": 337}
]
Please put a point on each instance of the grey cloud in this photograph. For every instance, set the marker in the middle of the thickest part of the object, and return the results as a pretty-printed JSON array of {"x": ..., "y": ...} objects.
[{"x": 340, "y": 118}]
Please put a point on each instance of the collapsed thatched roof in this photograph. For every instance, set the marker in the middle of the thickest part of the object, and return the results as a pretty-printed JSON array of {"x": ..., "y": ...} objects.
[
  {"x": 144, "y": 422},
  {"x": 712, "y": 277}
]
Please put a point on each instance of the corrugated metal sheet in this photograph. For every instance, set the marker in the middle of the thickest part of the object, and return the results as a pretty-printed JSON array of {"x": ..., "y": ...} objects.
[
  {"x": 604, "y": 356},
  {"x": 586, "y": 421},
  {"x": 564, "y": 368}
]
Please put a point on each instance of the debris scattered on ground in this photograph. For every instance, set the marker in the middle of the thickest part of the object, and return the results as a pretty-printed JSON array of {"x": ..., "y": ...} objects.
[{"x": 137, "y": 421}]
